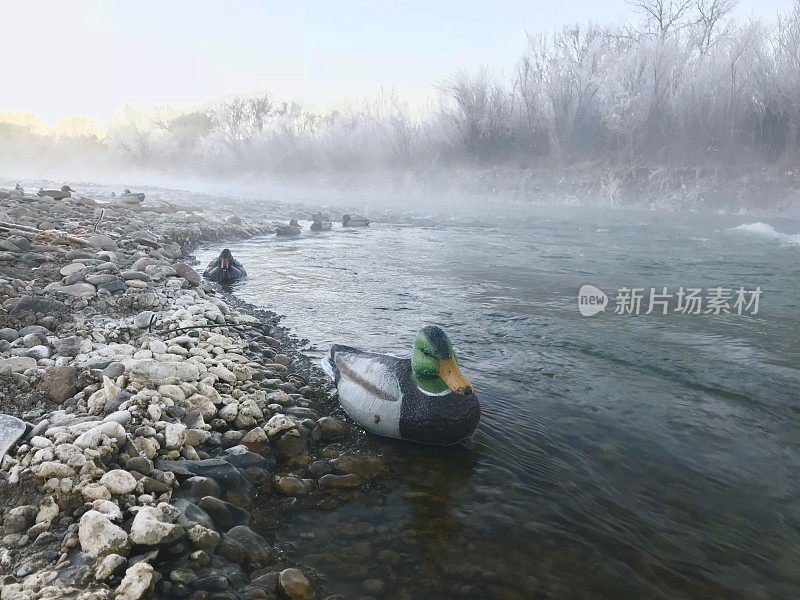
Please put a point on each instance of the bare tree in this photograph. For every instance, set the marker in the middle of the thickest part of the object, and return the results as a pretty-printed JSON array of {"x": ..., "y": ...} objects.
[
  {"x": 663, "y": 17},
  {"x": 710, "y": 14}
]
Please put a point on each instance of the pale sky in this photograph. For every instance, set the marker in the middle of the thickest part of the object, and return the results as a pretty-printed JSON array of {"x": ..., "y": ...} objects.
[{"x": 60, "y": 58}]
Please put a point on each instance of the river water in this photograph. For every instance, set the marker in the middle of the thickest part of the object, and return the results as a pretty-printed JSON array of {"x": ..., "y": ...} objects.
[{"x": 618, "y": 455}]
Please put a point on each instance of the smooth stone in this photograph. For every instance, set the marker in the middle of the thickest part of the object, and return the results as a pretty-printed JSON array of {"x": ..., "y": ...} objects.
[
  {"x": 38, "y": 352},
  {"x": 294, "y": 584},
  {"x": 187, "y": 272},
  {"x": 134, "y": 275},
  {"x": 330, "y": 428},
  {"x": 11, "y": 429},
  {"x": 361, "y": 464},
  {"x": 37, "y": 305},
  {"x": 229, "y": 478},
  {"x": 112, "y": 287},
  {"x": 199, "y": 487},
  {"x": 102, "y": 242},
  {"x": 330, "y": 480},
  {"x": 224, "y": 514},
  {"x": 140, "y": 464},
  {"x": 257, "y": 547},
  {"x": 9, "y": 334},
  {"x": 71, "y": 268},
  {"x": 318, "y": 468},
  {"x": 291, "y": 486},
  {"x": 76, "y": 290}
]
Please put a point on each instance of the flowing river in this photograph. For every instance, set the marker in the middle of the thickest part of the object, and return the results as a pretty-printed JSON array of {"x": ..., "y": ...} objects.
[{"x": 618, "y": 455}]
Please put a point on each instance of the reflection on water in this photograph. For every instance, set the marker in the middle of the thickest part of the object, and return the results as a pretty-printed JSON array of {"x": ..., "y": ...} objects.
[{"x": 617, "y": 456}]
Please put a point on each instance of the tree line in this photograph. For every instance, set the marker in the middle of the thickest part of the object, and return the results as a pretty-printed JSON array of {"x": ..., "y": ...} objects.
[{"x": 683, "y": 85}]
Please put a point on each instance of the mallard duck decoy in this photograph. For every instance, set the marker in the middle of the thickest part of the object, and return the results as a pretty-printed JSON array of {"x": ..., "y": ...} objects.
[
  {"x": 292, "y": 229},
  {"x": 321, "y": 223},
  {"x": 129, "y": 197},
  {"x": 225, "y": 268},
  {"x": 354, "y": 221},
  {"x": 64, "y": 192},
  {"x": 424, "y": 398}
]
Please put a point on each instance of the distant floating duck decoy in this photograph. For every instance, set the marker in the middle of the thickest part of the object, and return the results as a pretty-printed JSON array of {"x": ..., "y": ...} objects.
[
  {"x": 422, "y": 399},
  {"x": 354, "y": 221},
  {"x": 128, "y": 197},
  {"x": 292, "y": 229},
  {"x": 320, "y": 223},
  {"x": 225, "y": 268},
  {"x": 64, "y": 192}
]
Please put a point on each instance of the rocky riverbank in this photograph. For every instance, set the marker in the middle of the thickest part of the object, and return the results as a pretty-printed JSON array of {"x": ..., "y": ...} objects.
[{"x": 146, "y": 415}]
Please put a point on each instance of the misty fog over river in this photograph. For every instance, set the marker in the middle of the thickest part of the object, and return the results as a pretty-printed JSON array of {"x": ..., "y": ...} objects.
[{"x": 618, "y": 456}]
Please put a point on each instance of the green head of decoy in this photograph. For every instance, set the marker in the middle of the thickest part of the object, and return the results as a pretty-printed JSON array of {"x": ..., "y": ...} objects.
[{"x": 433, "y": 363}]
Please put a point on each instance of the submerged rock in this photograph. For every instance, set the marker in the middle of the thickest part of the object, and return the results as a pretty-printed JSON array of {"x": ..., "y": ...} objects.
[{"x": 294, "y": 584}]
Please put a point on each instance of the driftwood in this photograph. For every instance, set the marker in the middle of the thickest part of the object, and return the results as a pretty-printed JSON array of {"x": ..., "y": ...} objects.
[{"x": 10, "y": 227}]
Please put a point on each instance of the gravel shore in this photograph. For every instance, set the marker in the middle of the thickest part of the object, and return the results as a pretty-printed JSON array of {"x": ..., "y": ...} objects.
[{"x": 151, "y": 414}]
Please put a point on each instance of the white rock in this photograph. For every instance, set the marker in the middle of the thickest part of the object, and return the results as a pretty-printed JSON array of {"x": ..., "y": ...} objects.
[
  {"x": 175, "y": 436},
  {"x": 223, "y": 374},
  {"x": 119, "y": 481},
  {"x": 165, "y": 372},
  {"x": 137, "y": 582},
  {"x": 95, "y": 491},
  {"x": 99, "y": 537},
  {"x": 158, "y": 347},
  {"x": 71, "y": 268},
  {"x": 106, "y": 567},
  {"x": 172, "y": 391},
  {"x": 94, "y": 437},
  {"x": 148, "y": 529},
  {"x": 195, "y": 437},
  {"x": 277, "y": 424},
  {"x": 48, "y": 511},
  {"x": 54, "y": 469},
  {"x": 108, "y": 508}
]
